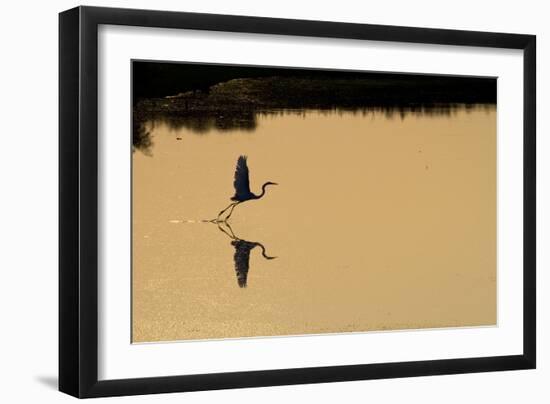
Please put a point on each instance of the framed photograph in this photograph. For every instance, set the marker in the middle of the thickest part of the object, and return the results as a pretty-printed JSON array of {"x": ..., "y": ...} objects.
[{"x": 252, "y": 202}]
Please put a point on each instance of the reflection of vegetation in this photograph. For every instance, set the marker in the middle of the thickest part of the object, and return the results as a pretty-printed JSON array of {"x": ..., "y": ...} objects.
[
  {"x": 204, "y": 122},
  {"x": 141, "y": 137},
  {"x": 236, "y": 104}
]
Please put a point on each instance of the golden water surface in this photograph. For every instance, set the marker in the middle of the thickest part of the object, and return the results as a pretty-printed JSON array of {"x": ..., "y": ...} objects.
[{"x": 377, "y": 223}]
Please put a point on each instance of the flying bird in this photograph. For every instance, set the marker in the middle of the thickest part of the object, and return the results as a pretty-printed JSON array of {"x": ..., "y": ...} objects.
[{"x": 242, "y": 188}]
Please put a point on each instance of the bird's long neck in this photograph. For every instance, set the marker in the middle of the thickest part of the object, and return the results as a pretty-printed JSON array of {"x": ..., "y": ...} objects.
[
  {"x": 263, "y": 251},
  {"x": 263, "y": 190}
]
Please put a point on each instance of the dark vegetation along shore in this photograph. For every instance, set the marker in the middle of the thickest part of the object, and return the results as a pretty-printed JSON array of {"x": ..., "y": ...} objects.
[{"x": 204, "y": 97}]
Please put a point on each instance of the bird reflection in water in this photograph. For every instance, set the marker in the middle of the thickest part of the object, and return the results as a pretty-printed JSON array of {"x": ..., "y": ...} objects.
[{"x": 241, "y": 257}]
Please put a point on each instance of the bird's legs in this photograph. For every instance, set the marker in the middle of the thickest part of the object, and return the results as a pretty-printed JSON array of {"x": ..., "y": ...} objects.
[
  {"x": 228, "y": 233},
  {"x": 231, "y": 211},
  {"x": 233, "y": 236},
  {"x": 223, "y": 211}
]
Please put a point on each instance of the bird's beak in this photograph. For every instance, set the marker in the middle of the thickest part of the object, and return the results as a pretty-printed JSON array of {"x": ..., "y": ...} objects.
[{"x": 274, "y": 183}]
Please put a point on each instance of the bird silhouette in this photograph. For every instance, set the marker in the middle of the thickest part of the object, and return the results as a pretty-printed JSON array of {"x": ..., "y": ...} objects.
[
  {"x": 241, "y": 257},
  {"x": 242, "y": 188}
]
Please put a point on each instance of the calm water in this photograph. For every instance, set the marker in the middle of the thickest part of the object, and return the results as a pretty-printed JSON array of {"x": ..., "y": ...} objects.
[{"x": 377, "y": 224}]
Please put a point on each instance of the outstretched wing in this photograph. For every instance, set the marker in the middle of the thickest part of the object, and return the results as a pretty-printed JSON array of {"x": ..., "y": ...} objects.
[
  {"x": 242, "y": 260},
  {"x": 241, "y": 182}
]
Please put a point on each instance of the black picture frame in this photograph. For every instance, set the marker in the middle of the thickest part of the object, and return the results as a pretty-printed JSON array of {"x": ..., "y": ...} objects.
[{"x": 78, "y": 201}]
